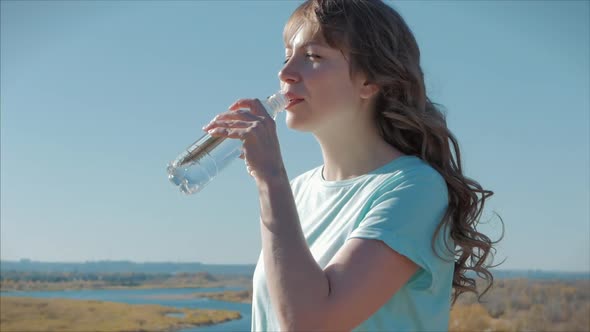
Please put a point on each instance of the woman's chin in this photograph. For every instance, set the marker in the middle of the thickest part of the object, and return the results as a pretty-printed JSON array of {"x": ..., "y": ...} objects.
[{"x": 295, "y": 122}]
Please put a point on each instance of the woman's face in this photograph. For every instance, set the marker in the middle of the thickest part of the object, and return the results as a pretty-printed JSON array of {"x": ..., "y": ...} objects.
[{"x": 320, "y": 75}]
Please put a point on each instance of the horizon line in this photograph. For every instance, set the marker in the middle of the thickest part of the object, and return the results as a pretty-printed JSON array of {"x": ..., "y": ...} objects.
[{"x": 21, "y": 260}]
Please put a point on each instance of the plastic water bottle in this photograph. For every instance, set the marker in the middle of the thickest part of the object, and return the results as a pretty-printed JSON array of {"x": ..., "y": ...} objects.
[{"x": 194, "y": 168}]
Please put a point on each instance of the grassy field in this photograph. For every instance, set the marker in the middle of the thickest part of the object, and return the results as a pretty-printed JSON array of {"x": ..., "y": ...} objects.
[
  {"x": 517, "y": 304},
  {"x": 244, "y": 296},
  {"x": 34, "y": 314},
  {"x": 230, "y": 296},
  {"x": 520, "y": 304},
  {"x": 511, "y": 305}
]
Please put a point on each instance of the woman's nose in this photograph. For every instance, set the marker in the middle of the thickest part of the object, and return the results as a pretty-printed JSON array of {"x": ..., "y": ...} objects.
[{"x": 288, "y": 75}]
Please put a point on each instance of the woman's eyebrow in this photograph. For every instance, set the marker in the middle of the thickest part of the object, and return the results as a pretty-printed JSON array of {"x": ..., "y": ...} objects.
[{"x": 308, "y": 44}]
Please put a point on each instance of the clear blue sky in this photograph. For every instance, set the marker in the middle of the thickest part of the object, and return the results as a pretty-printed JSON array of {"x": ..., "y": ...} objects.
[{"x": 98, "y": 96}]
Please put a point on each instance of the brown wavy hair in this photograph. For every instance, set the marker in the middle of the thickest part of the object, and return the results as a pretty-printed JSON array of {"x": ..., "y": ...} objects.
[{"x": 377, "y": 42}]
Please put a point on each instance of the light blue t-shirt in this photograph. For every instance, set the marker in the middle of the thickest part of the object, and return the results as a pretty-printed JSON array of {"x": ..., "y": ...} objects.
[{"x": 401, "y": 204}]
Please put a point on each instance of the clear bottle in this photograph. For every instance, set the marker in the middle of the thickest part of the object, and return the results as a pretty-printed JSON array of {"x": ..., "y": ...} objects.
[{"x": 194, "y": 168}]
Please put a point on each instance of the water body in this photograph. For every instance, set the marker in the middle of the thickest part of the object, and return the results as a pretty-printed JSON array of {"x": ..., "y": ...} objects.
[{"x": 143, "y": 296}]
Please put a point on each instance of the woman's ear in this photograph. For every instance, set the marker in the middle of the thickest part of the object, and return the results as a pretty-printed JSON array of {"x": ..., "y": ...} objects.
[{"x": 368, "y": 90}]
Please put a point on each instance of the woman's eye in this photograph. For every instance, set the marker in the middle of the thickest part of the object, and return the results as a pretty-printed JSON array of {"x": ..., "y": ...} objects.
[{"x": 311, "y": 55}]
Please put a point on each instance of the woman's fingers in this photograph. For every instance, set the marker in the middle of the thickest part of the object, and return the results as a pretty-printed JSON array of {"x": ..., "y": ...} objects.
[
  {"x": 239, "y": 133},
  {"x": 237, "y": 114},
  {"x": 238, "y": 118},
  {"x": 254, "y": 105},
  {"x": 249, "y": 122},
  {"x": 228, "y": 124}
]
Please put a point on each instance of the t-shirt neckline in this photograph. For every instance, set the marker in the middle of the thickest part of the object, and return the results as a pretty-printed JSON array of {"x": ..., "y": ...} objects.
[{"x": 383, "y": 169}]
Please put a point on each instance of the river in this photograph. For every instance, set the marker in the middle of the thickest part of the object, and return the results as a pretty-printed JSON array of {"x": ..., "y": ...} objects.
[{"x": 142, "y": 296}]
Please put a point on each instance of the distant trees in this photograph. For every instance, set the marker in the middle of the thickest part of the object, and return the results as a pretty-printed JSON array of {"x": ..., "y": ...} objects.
[
  {"x": 39, "y": 280},
  {"x": 112, "y": 279}
]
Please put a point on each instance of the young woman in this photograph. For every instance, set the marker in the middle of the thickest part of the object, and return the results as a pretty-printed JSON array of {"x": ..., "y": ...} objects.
[{"x": 358, "y": 242}]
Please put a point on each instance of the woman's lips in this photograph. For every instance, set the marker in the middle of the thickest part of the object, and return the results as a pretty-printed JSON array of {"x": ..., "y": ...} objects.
[{"x": 293, "y": 103}]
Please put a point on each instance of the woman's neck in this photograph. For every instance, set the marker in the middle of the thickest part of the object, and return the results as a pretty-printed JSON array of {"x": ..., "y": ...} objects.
[{"x": 353, "y": 152}]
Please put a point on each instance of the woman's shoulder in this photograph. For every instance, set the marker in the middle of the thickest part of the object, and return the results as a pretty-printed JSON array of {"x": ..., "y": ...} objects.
[
  {"x": 414, "y": 171},
  {"x": 424, "y": 171}
]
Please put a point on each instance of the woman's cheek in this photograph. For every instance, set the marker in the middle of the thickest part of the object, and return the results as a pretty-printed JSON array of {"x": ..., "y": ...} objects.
[{"x": 332, "y": 100}]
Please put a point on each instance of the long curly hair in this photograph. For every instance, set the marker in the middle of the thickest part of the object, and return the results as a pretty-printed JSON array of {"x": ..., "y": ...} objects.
[{"x": 377, "y": 42}]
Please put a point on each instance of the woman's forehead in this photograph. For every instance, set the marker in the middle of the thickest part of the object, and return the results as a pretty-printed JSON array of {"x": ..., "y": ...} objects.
[
  {"x": 300, "y": 33},
  {"x": 304, "y": 39}
]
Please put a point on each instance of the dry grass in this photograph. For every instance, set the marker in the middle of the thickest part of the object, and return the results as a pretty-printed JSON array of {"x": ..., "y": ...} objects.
[
  {"x": 33, "y": 314},
  {"x": 525, "y": 305},
  {"x": 244, "y": 296}
]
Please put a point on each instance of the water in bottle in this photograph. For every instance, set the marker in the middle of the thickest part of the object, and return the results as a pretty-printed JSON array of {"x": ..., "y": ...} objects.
[{"x": 194, "y": 168}]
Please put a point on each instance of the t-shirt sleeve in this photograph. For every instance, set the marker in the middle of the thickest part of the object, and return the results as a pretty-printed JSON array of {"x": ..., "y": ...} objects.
[{"x": 405, "y": 218}]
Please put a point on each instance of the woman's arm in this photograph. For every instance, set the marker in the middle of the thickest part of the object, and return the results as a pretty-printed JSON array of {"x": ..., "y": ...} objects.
[{"x": 297, "y": 285}]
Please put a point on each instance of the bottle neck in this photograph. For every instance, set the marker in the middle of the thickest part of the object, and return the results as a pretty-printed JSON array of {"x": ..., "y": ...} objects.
[{"x": 275, "y": 103}]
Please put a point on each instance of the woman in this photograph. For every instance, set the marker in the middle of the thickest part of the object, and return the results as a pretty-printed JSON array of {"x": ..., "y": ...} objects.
[{"x": 351, "y": 244}]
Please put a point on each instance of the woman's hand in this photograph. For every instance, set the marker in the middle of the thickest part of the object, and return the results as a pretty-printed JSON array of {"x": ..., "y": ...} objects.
[{"x": 249, "y": 121}]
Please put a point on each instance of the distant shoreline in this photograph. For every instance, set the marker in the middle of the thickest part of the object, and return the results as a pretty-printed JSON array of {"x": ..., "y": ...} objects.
[{"x": 234, "y": 270}]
